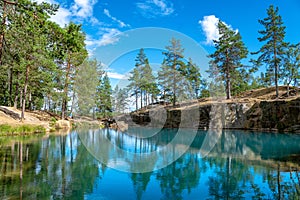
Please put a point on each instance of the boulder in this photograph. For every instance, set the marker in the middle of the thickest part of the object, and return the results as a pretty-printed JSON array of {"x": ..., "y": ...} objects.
[
  {"x": 63, "y": 124},
  {"x": 122, "y": 126}
]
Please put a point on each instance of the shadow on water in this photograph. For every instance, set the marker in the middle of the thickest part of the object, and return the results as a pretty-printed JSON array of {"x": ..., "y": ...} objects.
[{"x": 240, "y": 165}]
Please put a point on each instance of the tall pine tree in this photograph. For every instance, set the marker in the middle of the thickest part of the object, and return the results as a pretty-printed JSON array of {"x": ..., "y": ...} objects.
[
  {"x": 85, "y": 85},
  {"x": 170, "y": 77},
  {"x": 142, "y": 80},
  {"x": 230, "y": 50},
  {"x": 104, "y": 95},
  {"x": 272, "y": 52}
]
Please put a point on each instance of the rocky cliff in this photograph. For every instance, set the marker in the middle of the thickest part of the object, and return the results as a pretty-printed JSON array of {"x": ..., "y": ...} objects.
[{"x": 250, "y": 114}]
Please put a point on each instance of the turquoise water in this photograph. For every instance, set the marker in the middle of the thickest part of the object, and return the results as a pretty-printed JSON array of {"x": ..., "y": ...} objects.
[{"x": 239, "y": 165}]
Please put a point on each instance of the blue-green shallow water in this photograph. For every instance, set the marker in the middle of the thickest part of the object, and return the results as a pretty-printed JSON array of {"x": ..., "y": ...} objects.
[{"x": 242, "y": 165}]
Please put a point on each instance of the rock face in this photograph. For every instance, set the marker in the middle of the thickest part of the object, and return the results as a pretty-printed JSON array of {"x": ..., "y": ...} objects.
[
  {"x": 282, "y": 116},
  {"x": 278, "y": 116},
  {"x": 63, "y": 124}
]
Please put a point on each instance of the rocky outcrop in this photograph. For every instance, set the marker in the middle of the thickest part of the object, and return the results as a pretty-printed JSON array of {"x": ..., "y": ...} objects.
[
  {"x": 63, "y": 124},
  {"x": 282, "y": 116},
  {"x": 122, "y": 126},
  {"x": 10, "y": 112},
  {"x": 275, "y": 115}
]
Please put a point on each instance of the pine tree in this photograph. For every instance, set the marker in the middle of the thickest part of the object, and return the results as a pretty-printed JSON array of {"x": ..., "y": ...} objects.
[
  {"x": 291, "y": 70},
  {"x": 230, "y": 50},
  {"x": 142, "y": 80},
  {"x": 26, "y": 53},
  {"x": 134, "y": 85},
  {"x": 104, "y": 94},
  {"x": 74, "y": 54},
  {"x": 192, "y": 72},
  {"x": 85, "y": 85},
  {"x": 170, "y": 77},
  {"x": 272, "y": 52},
  {"x": 147, "y": 82},
  {"x": 120, "y": 100}
]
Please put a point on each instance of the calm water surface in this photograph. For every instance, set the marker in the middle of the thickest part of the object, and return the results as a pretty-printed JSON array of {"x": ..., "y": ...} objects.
[{"x": 242, "y": 165}]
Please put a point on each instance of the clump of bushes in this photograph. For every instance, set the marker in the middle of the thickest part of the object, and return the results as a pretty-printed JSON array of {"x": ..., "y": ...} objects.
[
  {"x": 25, "y": 129},
  {"x": 52, "y": 124}
]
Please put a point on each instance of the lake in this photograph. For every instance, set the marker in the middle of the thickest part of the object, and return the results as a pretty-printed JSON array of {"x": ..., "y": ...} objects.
[{"x": 105, "y": 164}]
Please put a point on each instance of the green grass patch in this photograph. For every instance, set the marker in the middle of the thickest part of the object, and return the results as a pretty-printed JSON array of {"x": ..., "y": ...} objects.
[{"x": 25, "y": 129}]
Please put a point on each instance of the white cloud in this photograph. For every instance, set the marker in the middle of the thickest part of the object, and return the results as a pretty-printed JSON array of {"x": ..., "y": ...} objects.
[
  {"x": 108, "y": 36},
  {"x": 116, "y": 75},
  {"x": 83, "y": 8},
  {"x": 155, "y": 8},
  {"x": 62, "y": 17},
  {"x": 111, "y": 36},
  {"x": 209, "y": 26},
  {"x": 121, "y": 23}
]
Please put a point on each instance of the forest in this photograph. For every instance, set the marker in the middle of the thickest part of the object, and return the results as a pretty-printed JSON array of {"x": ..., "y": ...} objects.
[{"x": 47, "y": 67}]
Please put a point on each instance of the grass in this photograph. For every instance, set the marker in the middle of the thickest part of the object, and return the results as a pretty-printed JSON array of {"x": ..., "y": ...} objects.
[{"x": 25, "y": 129}]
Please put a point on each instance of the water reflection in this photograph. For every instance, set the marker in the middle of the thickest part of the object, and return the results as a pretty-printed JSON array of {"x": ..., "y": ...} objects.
[
  {"x": 50, "y": 168},
  {"x": 241, "y": 165}
]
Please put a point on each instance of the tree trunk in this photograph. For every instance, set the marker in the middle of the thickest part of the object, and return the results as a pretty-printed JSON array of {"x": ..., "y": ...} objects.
[
  {"x": 10, "y": 86},
  {"x": 276, "y": 80},
  {"x": 174, "y": 87},
  {"x": 25, "y": 92},
  {"x": 65, "y": 96},
  {"x": 16, "y": 92},
  {"x": 49, "y": 104},
  {"x": 30, "y": 101},
  {"x": 72, "y": 107},
  {"x": 141, "y": 98},
  {"x": 275, "y": 62},
  {"x": 146, "y": 98},
  {"x": 228, "y": 85},
  {"x": 136, "y": 100},
  {"x": 228, "y": 81},
  {"x": 21, "y": 97},
  {"x": 2, "y": 31}
]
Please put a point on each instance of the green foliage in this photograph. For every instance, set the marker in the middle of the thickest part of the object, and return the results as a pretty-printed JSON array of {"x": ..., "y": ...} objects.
[
  {"x": 38, "y": 58},
  {"x": 226, "y": 59},
  {"x": 20, "y": 130},
  {"x": 42, "y": 64},
  {"x": 74, "y": 53},
  {"x": 272, "y": 52},
  {"x": 175, "y": 76},
  {"x": 120, "y": 100},
  {"x": 104, "y": 95},
  {"x": 142, "y": 81},
  {"x": 26, "y": 53},
  {"x": 291, "y": 63},
  {"x": 85, "y": 85}
]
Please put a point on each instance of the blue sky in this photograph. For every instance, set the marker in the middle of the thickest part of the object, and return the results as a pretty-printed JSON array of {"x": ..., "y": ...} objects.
[{"x": 106, "y": 21}]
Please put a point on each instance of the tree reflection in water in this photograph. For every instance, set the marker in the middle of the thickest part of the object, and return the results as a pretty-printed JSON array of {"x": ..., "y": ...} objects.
[{"x": 241, "y": 165}]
